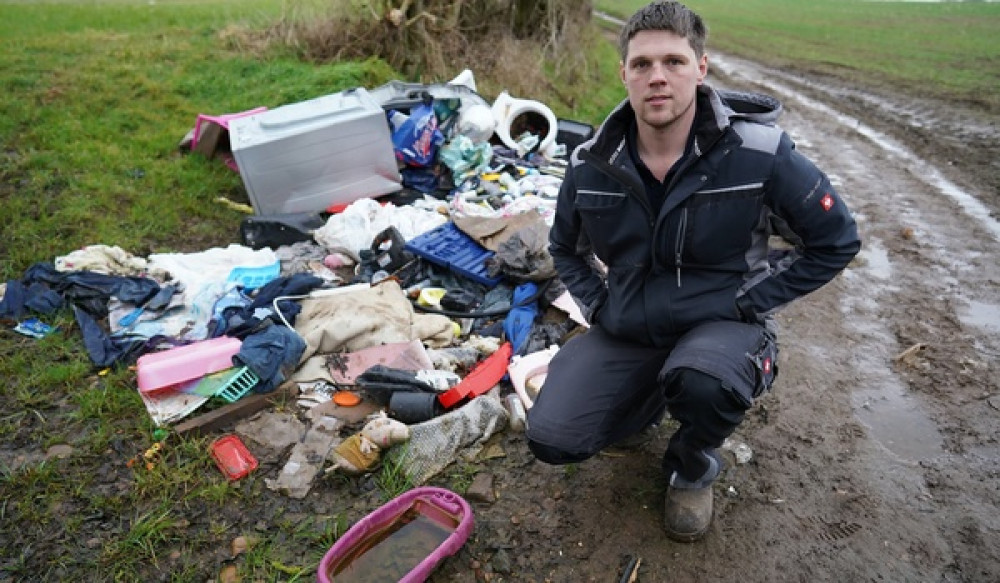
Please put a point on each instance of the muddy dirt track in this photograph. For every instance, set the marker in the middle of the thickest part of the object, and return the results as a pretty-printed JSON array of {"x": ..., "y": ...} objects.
[{"x": 875, "y": 458}]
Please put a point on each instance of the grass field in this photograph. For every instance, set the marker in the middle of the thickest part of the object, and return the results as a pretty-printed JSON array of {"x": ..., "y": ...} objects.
[
  {"x": 939, "y": 49},
  {"x": 97, "y": 95}
]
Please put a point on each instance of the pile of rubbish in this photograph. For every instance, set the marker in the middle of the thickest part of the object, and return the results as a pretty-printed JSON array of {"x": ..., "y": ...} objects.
[{"x": 393, "y": 280}]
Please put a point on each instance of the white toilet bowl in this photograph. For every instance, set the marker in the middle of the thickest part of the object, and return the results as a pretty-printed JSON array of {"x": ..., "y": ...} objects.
[{"x": 515, "y": 116}]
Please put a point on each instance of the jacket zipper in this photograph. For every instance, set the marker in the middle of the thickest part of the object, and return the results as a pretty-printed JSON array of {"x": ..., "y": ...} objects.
[{"x": 679, "y": 243}]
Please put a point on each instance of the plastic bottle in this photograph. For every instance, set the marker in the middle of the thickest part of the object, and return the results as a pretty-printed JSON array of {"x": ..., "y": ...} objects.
[
  {"x": 515, "y": 408},
  {"x": 397, "y": 119}
]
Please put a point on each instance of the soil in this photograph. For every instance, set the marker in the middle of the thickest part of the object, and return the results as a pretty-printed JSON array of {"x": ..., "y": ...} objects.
[{"x": 874, "y": 458}]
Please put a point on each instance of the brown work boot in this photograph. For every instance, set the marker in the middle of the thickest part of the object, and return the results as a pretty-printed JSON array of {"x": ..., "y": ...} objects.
[{"x": 687, "y": 512}]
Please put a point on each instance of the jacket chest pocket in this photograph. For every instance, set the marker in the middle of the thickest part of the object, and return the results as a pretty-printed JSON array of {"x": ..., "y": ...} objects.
[
  {"x": 598, "y": 201},
  {"x": 720, "y": 224},
  {"x": 601, "y": 210}
]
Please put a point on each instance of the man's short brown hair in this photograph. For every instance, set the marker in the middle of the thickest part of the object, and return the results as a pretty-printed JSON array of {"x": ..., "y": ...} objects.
[{"x": 670, "y": 16}]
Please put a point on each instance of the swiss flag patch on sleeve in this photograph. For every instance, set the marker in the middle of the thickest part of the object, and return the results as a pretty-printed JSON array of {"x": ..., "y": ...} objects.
[{"x": 826, "y": 202}]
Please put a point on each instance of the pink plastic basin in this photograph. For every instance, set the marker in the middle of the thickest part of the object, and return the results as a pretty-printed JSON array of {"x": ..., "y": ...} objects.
[{"x": 436, "y": 506}]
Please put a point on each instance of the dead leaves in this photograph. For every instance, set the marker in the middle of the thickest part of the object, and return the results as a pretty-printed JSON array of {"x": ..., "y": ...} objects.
[{"x": 911, "y": 356}]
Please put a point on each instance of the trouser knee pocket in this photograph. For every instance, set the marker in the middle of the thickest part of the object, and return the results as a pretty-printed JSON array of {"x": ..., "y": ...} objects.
[{"x": 764, "y": 362}]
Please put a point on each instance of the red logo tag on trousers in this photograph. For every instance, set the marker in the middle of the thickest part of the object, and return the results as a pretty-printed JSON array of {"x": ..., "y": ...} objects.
[
  {"x": 826, "y": 202},
  {"x": 767, "y": 366}
]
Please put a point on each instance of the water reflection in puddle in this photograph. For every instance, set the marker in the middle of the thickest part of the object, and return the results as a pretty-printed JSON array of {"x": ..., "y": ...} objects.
[
  {"x": 982, "y": 315},
  {"x": 877, "y": 259},
  {"x": 897, "y": 422},
  {"x": 894, "y": 418}
]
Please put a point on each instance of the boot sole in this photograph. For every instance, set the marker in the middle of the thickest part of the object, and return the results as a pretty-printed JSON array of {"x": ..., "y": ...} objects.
[{"x": 683, "y": 537}]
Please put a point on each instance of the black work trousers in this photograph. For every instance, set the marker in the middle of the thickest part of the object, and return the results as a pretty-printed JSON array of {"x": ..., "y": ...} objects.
[{"x": 600, "y": 389}]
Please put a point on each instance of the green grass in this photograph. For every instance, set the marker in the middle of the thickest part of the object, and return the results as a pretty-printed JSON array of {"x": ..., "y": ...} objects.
[
  {"x": 100, "y": 97},
  {"x": 96, "y": 98},
  {"x": 392, "y": 479},
  {"x": 946, "y": 49}
]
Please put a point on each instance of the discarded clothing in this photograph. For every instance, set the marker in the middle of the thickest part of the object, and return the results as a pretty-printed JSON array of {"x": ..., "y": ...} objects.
[
  {"x": 107, "y": 260},
  {"x": 37, "y": 298},
  {"x": 204, "y": 277},
  {"x": 197, "y": 271},
  {"x": 272, "y": 355},
  {"x": 521, "y": 318},
  {"x": 106, "y": 350},
  {"x": 524, "y": 256},
  {"x": 90, "y": 291},
  {"x": 360, "y": 319}
]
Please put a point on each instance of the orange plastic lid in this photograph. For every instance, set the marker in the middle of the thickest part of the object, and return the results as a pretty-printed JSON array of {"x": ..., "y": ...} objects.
[{"x": 346, "y": 398}]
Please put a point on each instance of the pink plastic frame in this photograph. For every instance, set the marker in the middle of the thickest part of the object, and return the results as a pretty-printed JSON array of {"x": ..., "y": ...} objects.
[{"x": 221, "y": 120}]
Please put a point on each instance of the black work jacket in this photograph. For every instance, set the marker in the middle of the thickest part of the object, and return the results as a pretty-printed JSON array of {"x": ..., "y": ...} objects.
[{"x": 706, "y": 255}]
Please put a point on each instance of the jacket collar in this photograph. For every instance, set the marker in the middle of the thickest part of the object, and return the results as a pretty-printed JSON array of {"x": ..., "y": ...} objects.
[{"x": 608, "y": 143}]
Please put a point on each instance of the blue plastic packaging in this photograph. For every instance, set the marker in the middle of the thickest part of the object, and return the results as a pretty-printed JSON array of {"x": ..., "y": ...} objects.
[
  {"x": 449, "y": 247},
  {"x": 34, "y": 327},
  {"x": 416, "y": 138},
  {"x": 252, "y": 278}
]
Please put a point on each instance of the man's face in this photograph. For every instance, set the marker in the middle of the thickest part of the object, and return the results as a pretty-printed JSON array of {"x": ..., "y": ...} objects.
[{"x": 662, "y": 74}]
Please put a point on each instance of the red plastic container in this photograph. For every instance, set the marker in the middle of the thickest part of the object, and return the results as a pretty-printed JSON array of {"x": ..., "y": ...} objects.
[{"x": 232, "y": 457}]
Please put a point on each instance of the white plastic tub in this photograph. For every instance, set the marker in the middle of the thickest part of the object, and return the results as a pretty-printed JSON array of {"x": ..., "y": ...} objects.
[{"x": 308, "y": 156}]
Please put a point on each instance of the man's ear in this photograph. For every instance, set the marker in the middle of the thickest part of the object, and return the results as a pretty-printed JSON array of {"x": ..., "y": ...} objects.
[
  {"x": 621, "y": 70},
  {"x": 702, "y": 68}
]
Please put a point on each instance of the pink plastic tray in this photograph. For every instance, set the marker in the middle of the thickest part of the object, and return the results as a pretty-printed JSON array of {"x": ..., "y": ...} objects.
[
  {"x": 441, "y": 506},
  {"x": 159, "y": 371}
]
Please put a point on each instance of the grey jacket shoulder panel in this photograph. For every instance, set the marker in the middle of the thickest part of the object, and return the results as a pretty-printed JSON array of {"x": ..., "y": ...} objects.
[
  {"x": 762, "y": 138},
  {"x": 607, "y": 137}
]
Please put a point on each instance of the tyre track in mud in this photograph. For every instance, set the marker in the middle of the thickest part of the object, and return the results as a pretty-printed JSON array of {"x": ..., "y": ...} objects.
[{"x": 928, "y": 260}]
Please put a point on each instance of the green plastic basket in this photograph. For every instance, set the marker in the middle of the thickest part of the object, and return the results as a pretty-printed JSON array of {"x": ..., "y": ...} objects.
[{"x": 238, "y": 385}]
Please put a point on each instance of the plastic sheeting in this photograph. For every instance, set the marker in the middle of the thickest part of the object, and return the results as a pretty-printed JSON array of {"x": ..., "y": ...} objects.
[{"x": 356, "y": 227}]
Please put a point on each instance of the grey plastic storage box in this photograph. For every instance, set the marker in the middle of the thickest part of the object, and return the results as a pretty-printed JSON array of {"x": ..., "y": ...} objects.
[{"x": 307, "y": 156}]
